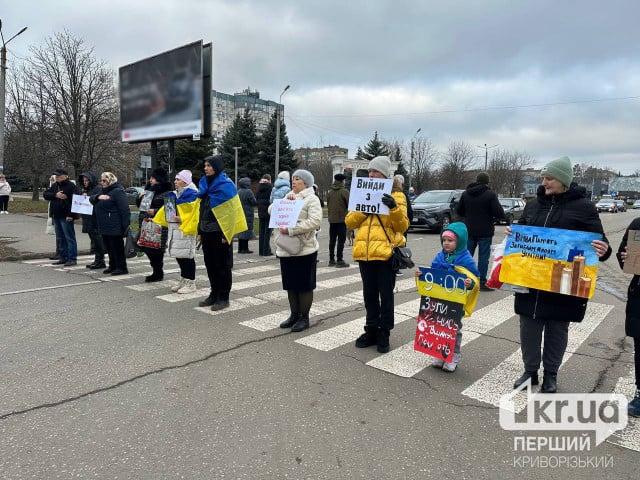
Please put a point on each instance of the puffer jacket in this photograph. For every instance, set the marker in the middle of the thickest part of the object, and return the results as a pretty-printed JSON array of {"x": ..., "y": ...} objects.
[
  {"x": 569, "y": 210},
  {"x": 371, "y": 242},
  {"x": 113, "y": 214},
  {"x": 180, "y": 245},
  {"x": 308, "y": 221},
  {"x": 337, "y": 202},
  {"x": 280, "y": 188}
]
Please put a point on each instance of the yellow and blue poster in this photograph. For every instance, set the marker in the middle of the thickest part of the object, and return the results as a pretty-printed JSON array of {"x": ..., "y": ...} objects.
[{"x": 551, "y": 259}]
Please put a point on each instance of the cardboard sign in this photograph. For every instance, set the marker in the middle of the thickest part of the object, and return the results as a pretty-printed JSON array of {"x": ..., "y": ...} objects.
[
  {"x": 81, "y": 204},
  {"x": 366, "y": 195},
  {"x": 632, "y": 263},
  {"x": 442, "y": 300},
  {"x": 285, "y": 213},
  {"x": 551, "y": 259}
]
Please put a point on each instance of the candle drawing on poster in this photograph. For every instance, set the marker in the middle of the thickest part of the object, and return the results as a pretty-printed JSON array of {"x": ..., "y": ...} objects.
[
  {"x": 551, "y": 259},
  {"x": 442, "y": 299},
  {"x": 285, "y": 213},
  {"x": 366, "y": 195}
]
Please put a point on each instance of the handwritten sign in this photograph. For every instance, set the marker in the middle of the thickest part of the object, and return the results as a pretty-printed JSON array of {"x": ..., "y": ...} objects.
[
  {"x": 551, "y": 259},
  {"x": 81, "y": 204},
  {"x": 366, "y": 194},
  {"x": 632, "y": 263},
  {"x": 442, "y": 300},
  {"x": 285, "y": 213}
]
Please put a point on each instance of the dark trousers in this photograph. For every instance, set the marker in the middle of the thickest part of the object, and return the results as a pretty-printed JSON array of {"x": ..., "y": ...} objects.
[
  {"x": 114, "y": 245},
  {"x": 337, "y": 232},
  {"x": 378, "y": 281},
  {"x": 484, "y": 251},
  {"x": 218, "y": 258},
  {"x": 156, "y": 256},
  {"x": 636, "y": 356},
  {"x": 98, "y": 246},
  {"x": 187, "y": 268},
  {"x": 556, "y": 336},
  {"x": 4, "y": 203},
  {"x": 264, "y": 235}
]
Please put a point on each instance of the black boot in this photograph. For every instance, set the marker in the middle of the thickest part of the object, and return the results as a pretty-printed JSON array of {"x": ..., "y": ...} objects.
[
  {"x": 368, "y": 338},
  {"x": 289, "y": 322},
  {"x": 156, "y": 276},
  {"x": 383, "y": 341},
  {"x": 301, "y": 324},
  {"x": 549, "y": 383},
  {"x": 221, "y": 303},
  {"x": 526, "y": 376},
  {"x": 207, "y": 302}
]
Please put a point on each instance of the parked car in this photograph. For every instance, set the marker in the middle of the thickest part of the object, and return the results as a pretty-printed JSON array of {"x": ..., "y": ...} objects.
[
  {"x": 622, "y": 206},
  {"x": 513, "y": 209},
  {"x": 435, "y": 209},
  {"x": 636, "y": 204},
  {"x": 607, "y": 205},
  {"x": 132, "y": 194}
]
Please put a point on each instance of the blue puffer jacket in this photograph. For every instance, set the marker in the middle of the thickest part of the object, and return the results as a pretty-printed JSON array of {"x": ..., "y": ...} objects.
[{"x": 280, "y": 188}]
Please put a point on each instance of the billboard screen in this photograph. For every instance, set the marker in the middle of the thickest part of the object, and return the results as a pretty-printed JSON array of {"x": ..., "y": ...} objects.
[{"x": 162, "y": 97}]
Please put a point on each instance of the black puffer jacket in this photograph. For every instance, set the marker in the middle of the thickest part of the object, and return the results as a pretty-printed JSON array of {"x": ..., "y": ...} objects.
[
  {"x": 90, "y": 222},
  {"x": 113, "y": 215},
  {"x": 262, "y": 197},
  {"x": 479, "y": 205},
  {"x": 570, "y": 211},
  {"x": 632, "y": 321}
]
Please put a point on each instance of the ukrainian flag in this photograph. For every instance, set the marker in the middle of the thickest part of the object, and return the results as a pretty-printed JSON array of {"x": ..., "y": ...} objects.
[
  {"x": 225, "y": 204},
  {"x": 188, "y": 207}
]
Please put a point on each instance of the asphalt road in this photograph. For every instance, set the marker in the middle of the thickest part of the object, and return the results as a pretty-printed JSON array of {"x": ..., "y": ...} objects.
[{"x": 109, "y": 377}]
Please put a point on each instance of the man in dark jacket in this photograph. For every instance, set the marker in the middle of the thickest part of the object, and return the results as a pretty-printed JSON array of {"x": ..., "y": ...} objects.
[
  {"x": 60, "y": 197},
  {"x": 90, "y": 223},
  {"x": 262, "y": 197},
  {"x": 337, "y": 203},
  {"x": 479, "y": 206}
]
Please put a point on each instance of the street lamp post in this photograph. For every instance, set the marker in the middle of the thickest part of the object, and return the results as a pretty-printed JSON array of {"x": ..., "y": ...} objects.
[
  {"x": 236, "y": 169},
  {"x": 486, "y": 153},
  {"x": 411, "y": 161},
  {"x": 3, "y": 71},
  {"x": 278, "y": 131}
]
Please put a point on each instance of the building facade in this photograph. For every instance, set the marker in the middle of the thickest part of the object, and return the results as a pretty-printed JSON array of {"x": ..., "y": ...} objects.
[{"x": 225, "y": 107}]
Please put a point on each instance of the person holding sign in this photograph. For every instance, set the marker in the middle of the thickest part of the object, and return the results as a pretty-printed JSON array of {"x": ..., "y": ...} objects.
[
  {"x": 372, "y": 251},
  {"x": 60, "y": 195},
  {"x": 559, "y": 204},
  {"x": 454, "y": 253},
  {"x": 632, "y": 321},
  {"x": 298, "y": 267},
  {"x": 90, "y": 221}
]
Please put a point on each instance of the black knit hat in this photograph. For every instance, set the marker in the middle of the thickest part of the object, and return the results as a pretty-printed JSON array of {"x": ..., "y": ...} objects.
[{"x": 160, "y": 174}]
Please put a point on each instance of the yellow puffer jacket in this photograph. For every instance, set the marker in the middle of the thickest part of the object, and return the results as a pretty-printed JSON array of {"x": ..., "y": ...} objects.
[{"x": 370, "y": 242}]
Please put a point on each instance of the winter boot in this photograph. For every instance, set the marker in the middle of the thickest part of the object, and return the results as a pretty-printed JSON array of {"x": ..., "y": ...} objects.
[
  {"x": 210, "y": 300},
  {"x": 179, "y": 285},
  {"x": 289, "y": 322},
  {"x": 549, "y": 383},
  {"x": 526, "y": 376},
  {"x": 221, "y": 303},
  {"x": 383, "y": 341},
  {"x": 189, "y": 286},
  {"x": 301, "y": 324},
  {"x": 368, "y": 338}
]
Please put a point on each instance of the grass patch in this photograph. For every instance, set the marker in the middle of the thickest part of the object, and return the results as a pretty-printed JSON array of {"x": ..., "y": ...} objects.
[{"x": 26, "y": 205}]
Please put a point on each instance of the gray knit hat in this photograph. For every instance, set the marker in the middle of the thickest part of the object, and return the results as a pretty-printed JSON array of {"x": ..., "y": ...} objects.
[
  {"x": 305, "y": 175},
  {"x": 382, "y": 164},
  {"x": 560, "y": 169}
]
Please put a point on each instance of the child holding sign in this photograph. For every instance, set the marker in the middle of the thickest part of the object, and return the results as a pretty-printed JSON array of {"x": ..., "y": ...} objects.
[
  {"x": 454, "y": 253},
  {"x": 632, "y": 322}
]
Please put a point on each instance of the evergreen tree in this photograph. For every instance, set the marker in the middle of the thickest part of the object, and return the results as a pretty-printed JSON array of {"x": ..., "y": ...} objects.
[
  {"x": 375, "y": 148},
  {"x": 241, "y": 133},
  {"x": 360, "y": 154},
  {"x": 267, "y": 149},
  {"x": 190, "y": 155}
]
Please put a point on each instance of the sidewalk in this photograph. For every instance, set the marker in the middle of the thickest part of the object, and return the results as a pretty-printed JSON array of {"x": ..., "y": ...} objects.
[{"x": 26, "y": 234}]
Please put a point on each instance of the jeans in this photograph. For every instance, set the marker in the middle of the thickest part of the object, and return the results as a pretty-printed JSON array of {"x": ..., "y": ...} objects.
[
  {"x": 66, "y": 237},
  {"x": 484, "y": 251},
  {"x": 337, "y": 231}
]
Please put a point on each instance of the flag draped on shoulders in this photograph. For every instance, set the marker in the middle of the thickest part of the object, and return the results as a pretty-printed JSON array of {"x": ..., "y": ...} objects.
[
  {"x": 472, "y": 295},
  {"x": 225, "y": 204},
  {"x": 188, "y": 206}
]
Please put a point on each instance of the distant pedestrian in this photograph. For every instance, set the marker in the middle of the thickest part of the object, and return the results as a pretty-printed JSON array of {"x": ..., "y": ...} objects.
[
  {"x": 412, "y": 194},
  {"x": 90, "y": 186},
  {"x": 480, "y": 207},
  {"x": 337, "y": 205},
  {"x": 248, "y": 201},
  {"x": 281, "y": 187},
  {"x": 60, "y": 197},
  {"x": 5, "y": 194},
  {"x": 264, "y": 232}
]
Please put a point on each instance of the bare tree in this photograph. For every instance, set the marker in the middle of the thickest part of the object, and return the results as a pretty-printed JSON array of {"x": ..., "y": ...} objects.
[
  {"x": 425, "y": 159},
  {"x": 506, "y": 171},
  {"x": 323, "y": 175},
  {"x": 456, "y": 163}
]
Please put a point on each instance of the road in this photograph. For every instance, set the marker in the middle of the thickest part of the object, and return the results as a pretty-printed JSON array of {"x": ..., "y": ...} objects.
[{"x": 109, "y": 377}]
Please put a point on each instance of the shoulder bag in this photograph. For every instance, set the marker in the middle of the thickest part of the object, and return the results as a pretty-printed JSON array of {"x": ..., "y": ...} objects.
[
  {"x": 400, "y": 256},
  {"x": 150, "y": 234},
  {"x": 290, "y": 244}
]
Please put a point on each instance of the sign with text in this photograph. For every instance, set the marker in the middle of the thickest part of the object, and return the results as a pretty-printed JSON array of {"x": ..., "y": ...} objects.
[
  {"x": 632, "y": 263},
  {"x": 442, "y": 300},
  {"x": 551, "y": 259},
  {"x": 366, "y": 194},
  {"x": 81, "y": 204},
  {"x": 285, "y": 213}
]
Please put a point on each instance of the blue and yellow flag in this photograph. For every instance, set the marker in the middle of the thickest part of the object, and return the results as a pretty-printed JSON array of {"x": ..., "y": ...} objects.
[
  {"x": 225, "y": 204},
  {"x": 448, "y": 285}
]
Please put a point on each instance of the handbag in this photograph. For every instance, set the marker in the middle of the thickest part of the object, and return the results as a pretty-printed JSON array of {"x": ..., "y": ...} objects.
[
  {"x": 130, "y": 249},
  {"x": 290, "y": 244},
  {"x": 400, "y": 256},
  {"x": 150, "y": 234}
]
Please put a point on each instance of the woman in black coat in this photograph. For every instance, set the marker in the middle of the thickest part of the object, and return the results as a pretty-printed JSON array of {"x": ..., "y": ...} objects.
[
  {"x": 559, "y": 204},
  {"x": 262, "y": 197},
  {"x": 113, "y": 215},
  {"x": 160, "y": 186},
  {"x": 248, "y": 201}
]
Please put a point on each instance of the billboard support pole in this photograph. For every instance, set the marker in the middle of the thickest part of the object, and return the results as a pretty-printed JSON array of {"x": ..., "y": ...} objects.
[
  {"x": 172, "y": 155},
  {"x": 154, "y": 154}
]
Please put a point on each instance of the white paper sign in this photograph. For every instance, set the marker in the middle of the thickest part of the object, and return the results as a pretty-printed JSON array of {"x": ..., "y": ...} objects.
[
  {"x": 285, "y": 213},
  {"x": 81, "y": 204},
  {"x": 366, "y": 194}
]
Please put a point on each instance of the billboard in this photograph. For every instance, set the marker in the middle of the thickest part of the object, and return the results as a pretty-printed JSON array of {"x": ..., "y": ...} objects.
[{"x": 163, "y": 96}]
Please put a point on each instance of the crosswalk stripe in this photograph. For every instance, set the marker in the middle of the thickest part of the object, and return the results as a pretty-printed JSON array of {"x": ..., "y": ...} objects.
[
  {"x": 407, "y": 362},
  {"x": 630, "y": 436},
  {"x": 499, "y": 381}
]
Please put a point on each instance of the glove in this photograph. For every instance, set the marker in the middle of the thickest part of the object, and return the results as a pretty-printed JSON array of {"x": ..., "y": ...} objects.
[{"x": 388, "y": 200}]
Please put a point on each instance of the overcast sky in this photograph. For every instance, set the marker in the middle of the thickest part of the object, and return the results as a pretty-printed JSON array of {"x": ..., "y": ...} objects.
[{"x": 548, "y": 77}]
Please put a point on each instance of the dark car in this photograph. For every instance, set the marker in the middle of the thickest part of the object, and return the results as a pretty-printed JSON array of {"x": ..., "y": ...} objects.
[
  {"x": 622, "y": 205},
  {"x": 435, "y": 209},
  {"x": 607, "y": 205},
  {"x": 132, "y": 194},
  {"x": 513, "y": 209}
]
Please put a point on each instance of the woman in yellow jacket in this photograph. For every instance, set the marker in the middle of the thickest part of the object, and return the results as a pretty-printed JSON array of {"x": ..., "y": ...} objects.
[{"x": 372, "y": 251}]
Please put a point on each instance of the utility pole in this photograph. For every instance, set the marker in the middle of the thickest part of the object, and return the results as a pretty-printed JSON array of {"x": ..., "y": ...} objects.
[
  {"x": 411, "y": 161},
  {"x": 278, "y": 120},
  {"x": 486, "y": 153},
  {"x": 236, "y": 170}
]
